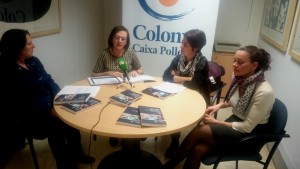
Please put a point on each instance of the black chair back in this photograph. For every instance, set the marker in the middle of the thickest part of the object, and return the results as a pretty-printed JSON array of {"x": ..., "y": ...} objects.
[
  {"x": 249, "y": 147},
  {"x": 277, "y": 120},
  {"x": 278, "y": 117}
]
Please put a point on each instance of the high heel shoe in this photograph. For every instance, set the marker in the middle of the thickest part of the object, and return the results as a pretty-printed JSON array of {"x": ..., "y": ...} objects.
[
  {"x": 113, "y": 141},
  {"x": 171, "y": 151},
  {"x": 85, "y": 159}
]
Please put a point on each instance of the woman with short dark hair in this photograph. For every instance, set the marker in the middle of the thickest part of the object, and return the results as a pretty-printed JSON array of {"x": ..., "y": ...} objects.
[{"x": 190, "y": 68}]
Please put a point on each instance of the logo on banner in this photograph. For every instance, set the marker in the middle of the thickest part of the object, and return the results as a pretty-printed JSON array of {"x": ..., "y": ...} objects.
[{"x": 164, "y": 3}]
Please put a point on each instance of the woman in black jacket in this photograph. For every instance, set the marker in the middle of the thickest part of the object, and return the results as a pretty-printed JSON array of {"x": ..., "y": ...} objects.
[
  {"x": 31, "y": 90},
  {"x": 190, "y": 68}
]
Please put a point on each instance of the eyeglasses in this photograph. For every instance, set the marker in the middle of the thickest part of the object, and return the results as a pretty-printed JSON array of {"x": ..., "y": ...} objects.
[{"x": 123, "y": 39}]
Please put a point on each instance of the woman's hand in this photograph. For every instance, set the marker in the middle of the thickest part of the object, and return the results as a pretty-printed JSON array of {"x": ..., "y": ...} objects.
[
  {"x": 134, "y": 73},
  {"x": 208, "y": 119},
  {"x": 213, "y": 109},
  {"x": 115, "y": 73},
  {"x": 173, "y": 73}
]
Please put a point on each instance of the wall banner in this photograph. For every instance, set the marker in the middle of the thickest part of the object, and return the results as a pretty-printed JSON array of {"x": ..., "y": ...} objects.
[{"x": 156, "y": 26}]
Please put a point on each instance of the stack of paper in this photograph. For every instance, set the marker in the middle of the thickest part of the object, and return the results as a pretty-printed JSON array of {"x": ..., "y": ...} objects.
[
  {"x": 170, "y": 87},
  {"x": 69, "y": 89}
]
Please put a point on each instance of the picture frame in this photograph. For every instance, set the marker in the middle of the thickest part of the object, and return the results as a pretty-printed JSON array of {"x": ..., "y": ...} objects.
[
  {"x": 277, "y": 22},
  {"x": 38, "y": 18},
  {"x": 294, "y": 50}
]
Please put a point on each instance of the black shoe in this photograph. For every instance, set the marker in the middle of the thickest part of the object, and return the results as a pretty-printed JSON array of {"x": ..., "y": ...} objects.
[
  {"x": 143, "y": 139},
  {"x": 171, "y": 151},
  {"x": 113, "y": 141},
  {"x": 85, "y": 159},
  {"x": 66, "y": 165}
]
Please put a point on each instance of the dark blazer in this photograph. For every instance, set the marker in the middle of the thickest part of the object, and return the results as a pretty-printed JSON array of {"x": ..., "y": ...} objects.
[
  {"x": 33, "y": 92},
  {"x": 200, "y": 80}
]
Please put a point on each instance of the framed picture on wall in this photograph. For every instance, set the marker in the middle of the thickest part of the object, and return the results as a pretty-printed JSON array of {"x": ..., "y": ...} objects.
[
  {"x": 277, "y": 22},
  {"x": 38, "y": 17},
  {"x": 295, "y": 44}
]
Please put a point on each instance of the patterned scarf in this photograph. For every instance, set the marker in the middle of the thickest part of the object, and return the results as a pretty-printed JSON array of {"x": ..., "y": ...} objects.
[
  {"x": 246, "y": 89},
  {"x": 187, "y": 69}
]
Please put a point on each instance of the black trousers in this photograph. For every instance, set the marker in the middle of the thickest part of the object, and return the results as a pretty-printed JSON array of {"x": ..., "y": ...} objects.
[
  {"x": 175, "y": 136},
  {"x": 64, "y": 141},
  {"x": 12, "y": 138}
]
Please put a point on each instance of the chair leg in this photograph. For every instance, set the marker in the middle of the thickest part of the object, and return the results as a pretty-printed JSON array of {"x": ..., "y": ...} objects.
[
  {"x": 30, "y": 142},
  {"x": 271, "y": 153},
  {"x": 216, "y": 166},
  {"x": 217, "y": 162}
]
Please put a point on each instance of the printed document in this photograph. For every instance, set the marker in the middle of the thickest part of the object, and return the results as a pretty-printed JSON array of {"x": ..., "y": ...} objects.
[
  {"x": 170, "y": 87},
  {"x": 69, "y": 89}
]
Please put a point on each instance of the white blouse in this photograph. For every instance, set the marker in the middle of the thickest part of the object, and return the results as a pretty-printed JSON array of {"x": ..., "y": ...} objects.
[{"x": 259, "y": 108}]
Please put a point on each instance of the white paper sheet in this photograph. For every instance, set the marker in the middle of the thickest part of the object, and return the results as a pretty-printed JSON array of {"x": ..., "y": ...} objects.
[
  {"x": 170, "y": 87},
  {"x": 69, "y": 89}
]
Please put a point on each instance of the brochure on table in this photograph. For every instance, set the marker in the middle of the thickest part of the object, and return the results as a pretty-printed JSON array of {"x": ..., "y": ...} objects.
[
  {"x": 140, "y": 78},
  {"x": 170, "y": 87},
  {"x": 70, "y": 89},
  {"x": 103, "y": 80}
]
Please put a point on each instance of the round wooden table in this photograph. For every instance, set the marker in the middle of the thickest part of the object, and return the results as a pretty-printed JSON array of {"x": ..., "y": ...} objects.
[{"x": 180, "y": 111}]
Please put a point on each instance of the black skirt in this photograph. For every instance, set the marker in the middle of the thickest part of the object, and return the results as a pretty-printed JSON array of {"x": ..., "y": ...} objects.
[{"x": 226, "y": 137}]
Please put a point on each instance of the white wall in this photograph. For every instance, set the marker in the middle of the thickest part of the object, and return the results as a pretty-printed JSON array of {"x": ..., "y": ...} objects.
[
  {"x": 113, "y": 16},
  {"x": 239, "y": 21},
  {"x": 284, "y": 77},
  {"x": 254, "y": 22},
  {"x": 233, "y": 22},
  {"x": 71, "y": 54}
]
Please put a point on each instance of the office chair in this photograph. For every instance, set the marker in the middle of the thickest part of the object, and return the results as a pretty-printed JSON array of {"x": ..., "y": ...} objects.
[
  {"x": 33, "y": 154},
  {"x": 216, "y": 97},
  {"x": 249, "y": 148},
  {"x": 30, "y": 138}
]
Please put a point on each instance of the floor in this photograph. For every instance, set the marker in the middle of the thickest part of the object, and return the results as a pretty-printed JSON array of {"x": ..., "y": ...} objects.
[{"x": 100, "y": 147}]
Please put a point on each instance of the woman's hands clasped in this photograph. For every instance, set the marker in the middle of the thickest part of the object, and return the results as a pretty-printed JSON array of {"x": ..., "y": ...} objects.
[{"x": 209, "y": 112}]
